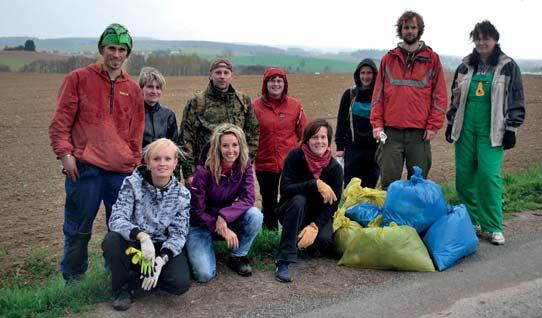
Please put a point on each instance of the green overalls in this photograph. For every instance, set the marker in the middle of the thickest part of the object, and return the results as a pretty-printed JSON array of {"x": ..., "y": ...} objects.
[{"x": 477, "y": 164}]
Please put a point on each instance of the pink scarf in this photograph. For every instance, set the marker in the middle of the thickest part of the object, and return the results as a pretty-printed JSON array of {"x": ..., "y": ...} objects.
[{"x": 316, "y": 163}]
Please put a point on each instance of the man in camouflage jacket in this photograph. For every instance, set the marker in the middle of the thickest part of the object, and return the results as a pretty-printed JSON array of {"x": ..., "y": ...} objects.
[{"x": 219, "y": 103}]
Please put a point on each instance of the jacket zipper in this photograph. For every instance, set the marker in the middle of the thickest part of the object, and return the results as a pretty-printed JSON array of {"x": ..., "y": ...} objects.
[
  {"x": 152, "y": 124},
  {"x": 112, "y": 96}
]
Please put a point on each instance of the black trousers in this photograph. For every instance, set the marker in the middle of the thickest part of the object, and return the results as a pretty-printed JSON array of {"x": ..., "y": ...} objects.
[
  {"x": 174, "y": 278},
  {"x": 360, "y": 162},
  {"x": 269, "y": 189},
  {"x": 294, "y": 214}
]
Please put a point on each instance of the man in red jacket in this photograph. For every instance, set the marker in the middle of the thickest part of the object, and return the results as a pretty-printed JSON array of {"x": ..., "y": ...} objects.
[
  {"x": 409, "y": 102},
  {"x": 96, "y": 133}
]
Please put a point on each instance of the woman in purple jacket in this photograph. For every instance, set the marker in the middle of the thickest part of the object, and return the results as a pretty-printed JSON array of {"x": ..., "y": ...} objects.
[{"x": 222, "y": 205}]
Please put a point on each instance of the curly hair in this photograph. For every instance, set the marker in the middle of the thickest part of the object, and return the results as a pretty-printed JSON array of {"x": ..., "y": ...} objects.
[
  {"x": 408, "y": 16},
  {"x": 214, "y": 157}
]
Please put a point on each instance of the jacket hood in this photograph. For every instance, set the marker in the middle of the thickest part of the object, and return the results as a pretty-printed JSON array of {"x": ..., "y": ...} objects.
[
  {"x": 365, "y": 62},
  {"x": 270, "y": 72}
]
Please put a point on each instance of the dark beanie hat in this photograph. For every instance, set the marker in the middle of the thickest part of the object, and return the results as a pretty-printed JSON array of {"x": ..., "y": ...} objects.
[{"x": 221, "y": 62}]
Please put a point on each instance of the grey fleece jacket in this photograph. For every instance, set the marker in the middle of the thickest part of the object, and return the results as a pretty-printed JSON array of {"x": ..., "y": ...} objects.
[{"x": 161, "y": 213}]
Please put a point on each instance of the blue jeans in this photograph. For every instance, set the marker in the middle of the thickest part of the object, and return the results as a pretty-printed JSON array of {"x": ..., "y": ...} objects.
[
  {"x": 199, "y": 244},
  {"x": 83, "y": 200}
]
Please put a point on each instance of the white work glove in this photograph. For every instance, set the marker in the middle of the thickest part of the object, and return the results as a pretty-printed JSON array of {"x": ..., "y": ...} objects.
[
  {"x": 150, "y": 282},
  {"x": 147, "y": 250}
]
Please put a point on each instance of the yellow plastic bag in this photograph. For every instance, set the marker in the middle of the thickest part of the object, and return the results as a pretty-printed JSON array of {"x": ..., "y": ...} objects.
[
  {"x": 344, "y": 231},
  {"x": 354, "y": 194},
  {"x": 391, "y": 247}
]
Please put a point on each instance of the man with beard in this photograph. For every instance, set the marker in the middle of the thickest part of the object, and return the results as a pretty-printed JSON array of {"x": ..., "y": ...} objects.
[{"x": 409, "y": 102}]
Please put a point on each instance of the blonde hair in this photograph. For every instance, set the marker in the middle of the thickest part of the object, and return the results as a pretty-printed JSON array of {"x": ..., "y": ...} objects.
[
  {"x": 149, "y": 74},
  {"x": 214, "y": 157},
  {"x": 158, "y": 144}
]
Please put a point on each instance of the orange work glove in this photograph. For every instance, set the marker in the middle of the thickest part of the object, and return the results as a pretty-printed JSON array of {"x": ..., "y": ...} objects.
[
  {"x": 326, "y": 192},
  {"x": 307, "y": 235}
]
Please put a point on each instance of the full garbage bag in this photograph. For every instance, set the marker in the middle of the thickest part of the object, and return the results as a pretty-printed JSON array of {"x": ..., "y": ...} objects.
[
  {"x": 391, "y": 247},
  {"x": 451, "y": 237},
  {"x": 344, "y": 231},
  {"x": 354, "y": 193},
  {"x": 416, "y": 202},
  {"x": 363, "y": 213}
]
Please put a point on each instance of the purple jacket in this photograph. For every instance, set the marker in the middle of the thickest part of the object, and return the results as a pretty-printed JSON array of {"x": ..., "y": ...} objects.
[{"x": 230, "y": 198}]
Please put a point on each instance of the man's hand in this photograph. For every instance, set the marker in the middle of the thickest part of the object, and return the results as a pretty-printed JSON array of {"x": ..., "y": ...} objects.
[
  {"x": 376, "y": 133},
  {"x": 69, "y": 163},
  {"x": 429, "y": 134}
]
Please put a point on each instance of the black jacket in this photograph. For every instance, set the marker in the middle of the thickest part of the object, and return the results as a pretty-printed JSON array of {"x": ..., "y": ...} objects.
[
  {"x": 360, "y": 128},
  {"x": 296, "y": 178},
  {"x": 160, "y": 122}
]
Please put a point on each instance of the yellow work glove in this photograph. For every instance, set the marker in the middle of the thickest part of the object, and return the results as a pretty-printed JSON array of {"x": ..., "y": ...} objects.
[
  {"x": 307, "y": 235},
  {"x": 137, "y": 258},
  {"x": 326, "y": 192}
]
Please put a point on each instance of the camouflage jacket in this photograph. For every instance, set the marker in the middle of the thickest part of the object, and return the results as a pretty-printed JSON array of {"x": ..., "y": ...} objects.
[{"x": 206, "y": 110}]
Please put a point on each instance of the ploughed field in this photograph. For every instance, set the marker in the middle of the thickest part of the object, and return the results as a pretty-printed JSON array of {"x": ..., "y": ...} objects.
[{"x": 32, "y": 187}]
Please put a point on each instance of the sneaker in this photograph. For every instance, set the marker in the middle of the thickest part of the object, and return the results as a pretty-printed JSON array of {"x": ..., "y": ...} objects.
[
  {"x": 123, "y": 301},
  {"x": 240, "y": 265},
  {"x": 497, "y": 238},
  {"x": 282, "y": 273},
  {"x": 478, "y": 230}
]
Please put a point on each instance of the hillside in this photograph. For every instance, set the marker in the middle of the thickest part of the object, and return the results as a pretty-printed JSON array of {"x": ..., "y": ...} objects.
[{"x": 293, "y": 59}]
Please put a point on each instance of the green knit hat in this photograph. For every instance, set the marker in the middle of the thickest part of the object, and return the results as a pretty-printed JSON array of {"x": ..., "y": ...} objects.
[{"x": 116, "y": 34}]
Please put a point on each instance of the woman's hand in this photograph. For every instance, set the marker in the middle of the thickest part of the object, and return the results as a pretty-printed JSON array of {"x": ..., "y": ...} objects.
[
  {"x": 231, "y": 239},
  {"x": 326, "y": 192},
  {"x": 221, "y": 226}
]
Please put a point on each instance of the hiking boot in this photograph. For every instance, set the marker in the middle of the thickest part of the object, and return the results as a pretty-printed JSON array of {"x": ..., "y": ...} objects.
[
  {"x": 497, "y": 238},
  {"x": 282, "y": 273},
  {"x": 240, "y": 265},
  {"x": 123, "y": 301}
]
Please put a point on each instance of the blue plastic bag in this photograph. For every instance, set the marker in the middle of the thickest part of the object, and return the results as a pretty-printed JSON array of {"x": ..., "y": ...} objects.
[
  {"x": 363, "y": 213},
  {"x": 451, "y": 237},
  {"x": 416, "y": 202}
]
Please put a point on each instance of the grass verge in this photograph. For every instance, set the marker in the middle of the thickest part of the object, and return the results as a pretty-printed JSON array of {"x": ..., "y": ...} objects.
[
  {"x": 521, "y": 192},
  {"x": 38, "y": 290}
]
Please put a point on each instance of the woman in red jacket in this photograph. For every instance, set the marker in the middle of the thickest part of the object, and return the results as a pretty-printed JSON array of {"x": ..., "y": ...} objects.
[{"x": 282, "y": 121}]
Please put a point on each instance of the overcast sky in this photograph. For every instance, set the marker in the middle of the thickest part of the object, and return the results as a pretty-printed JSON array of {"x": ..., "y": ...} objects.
[{"x": 331, "y": 24}]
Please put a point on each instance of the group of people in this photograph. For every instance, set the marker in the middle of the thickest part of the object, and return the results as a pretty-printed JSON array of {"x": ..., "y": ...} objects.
[{"x": 119, "y": 145}]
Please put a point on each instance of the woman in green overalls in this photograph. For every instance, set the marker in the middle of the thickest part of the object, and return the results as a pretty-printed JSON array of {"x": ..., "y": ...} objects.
[{"x": 487, "y": 107}]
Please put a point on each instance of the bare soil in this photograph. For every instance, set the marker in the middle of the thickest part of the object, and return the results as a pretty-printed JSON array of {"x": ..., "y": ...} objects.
[{"x": 32, "y": 187}]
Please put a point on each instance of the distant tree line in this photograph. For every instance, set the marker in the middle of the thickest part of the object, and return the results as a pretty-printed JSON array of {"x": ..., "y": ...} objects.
[
  {"x": 28, "y": 46},
  {"x": 57, "y": 66},
  {"x": 169, "y": 65}
]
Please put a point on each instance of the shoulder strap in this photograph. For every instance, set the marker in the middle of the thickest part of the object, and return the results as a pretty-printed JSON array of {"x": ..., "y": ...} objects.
[{"x": 239, "y": 97}]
